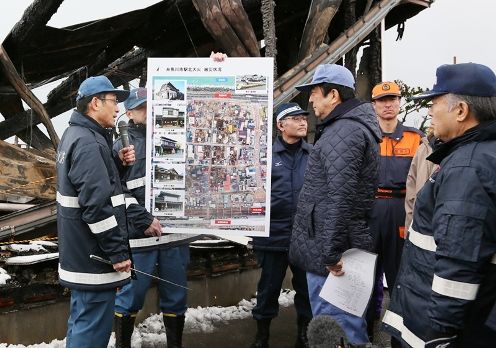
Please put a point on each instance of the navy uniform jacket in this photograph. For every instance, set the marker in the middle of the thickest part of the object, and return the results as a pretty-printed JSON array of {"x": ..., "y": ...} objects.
[
  {"x": 447, "y": 280},
  {"x": 287, "y": 175},
  {"x": 133, "y": 178},
  {"x": 91, "y": 212}
]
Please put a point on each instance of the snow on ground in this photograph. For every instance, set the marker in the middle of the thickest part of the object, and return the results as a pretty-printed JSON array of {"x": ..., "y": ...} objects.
[
  {"x": 22, "y": 248},
  {"x": 44, "y": 243},
  {"x": 151, "y": 332},
  {"x": 3, "y": 276}
]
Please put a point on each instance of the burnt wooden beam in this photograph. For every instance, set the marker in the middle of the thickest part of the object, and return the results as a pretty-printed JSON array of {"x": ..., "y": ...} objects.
[
  {"x": 238, "y": 18},
  {"x": 350, "y": 19},
  {"x": 25, "y": 93},
  {"x": 36, "y": 16},
  {"x": 319, "y": 18},
  {"x": 10, "y": 106},
  {"x": 62, "y": 98},
  {"x": 269, "y": 29},
  {"x": 169, "y": 41},
  {"x": 218, "y": 26},
  {"x": 29, "y": 223},
  {"x": 370, "y": 71}
]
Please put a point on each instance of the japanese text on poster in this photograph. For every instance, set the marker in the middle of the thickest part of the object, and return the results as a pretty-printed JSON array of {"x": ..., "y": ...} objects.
[{"x": 210, "y": 150}]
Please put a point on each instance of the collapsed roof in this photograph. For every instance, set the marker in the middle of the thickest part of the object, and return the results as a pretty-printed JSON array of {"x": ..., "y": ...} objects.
[{"x": 34, "y": 54}]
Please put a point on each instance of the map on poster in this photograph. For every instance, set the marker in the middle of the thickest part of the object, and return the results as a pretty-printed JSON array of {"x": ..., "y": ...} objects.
[{"x": 210, "y": 145}]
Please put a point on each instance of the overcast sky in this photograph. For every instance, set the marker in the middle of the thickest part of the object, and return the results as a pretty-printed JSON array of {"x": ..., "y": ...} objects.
[{"x": 449, "y": 28}]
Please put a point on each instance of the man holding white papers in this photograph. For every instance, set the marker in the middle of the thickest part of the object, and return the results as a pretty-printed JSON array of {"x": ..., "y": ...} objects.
[{"x": 339, "y": 188}]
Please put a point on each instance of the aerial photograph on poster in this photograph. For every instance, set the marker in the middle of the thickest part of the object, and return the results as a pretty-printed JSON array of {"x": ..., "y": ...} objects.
[{"x": 209, "y": 169}]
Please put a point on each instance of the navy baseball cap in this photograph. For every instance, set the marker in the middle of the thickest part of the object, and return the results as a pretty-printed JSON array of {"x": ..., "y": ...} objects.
[
  {"x": 289, "y": 109},
  {"x": 330, "y": 73},
  {"x": 464, "y": 79},
  {"x": 100, "y": 84},
  {"x": 136, "y": 98}
]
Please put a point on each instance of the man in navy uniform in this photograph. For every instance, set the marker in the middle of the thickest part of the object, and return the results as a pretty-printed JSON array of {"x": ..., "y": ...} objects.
[
  {"x": 149, "y": 247},
  {"x": 91, "y": 213},
  {"x": 446, "y": 285},
  {"x": 289, "y": 161}
]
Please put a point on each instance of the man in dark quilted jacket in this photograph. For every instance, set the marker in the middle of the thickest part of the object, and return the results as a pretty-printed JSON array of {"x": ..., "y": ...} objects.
[{"x": 338, "y": 190}]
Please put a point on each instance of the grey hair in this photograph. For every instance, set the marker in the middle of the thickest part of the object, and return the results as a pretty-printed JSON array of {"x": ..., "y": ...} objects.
[{"x": 483, "y": 108}]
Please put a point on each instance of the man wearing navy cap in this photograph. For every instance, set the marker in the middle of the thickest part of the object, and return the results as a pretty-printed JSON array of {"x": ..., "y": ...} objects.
[
  {"x": 446, "y": 285},
  {"x": 289, "y": 160},
  {"x": 91, "y": 216},
  {"x": 338, "y": 190},
  {"x": 149, "y": 247}
]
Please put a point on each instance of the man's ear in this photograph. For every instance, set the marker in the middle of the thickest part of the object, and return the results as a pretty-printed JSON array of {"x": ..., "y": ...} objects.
[
  {"x": 463, "y": 111},
  {"x": 93, "y": 104},
  {"x": 279, "y": 126},
  {"x": 334, "y": 96}
]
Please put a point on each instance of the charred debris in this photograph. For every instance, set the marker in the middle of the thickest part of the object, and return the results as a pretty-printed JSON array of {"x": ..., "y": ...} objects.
[{"x": 298, "y": 34}]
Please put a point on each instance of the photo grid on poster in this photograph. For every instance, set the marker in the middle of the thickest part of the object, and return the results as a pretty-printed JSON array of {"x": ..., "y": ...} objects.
[{"x": 210, "y": 149}]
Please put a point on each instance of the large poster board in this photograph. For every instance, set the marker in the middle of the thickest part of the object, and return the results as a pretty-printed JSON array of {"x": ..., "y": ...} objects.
[{"x": 209, "y": 127}]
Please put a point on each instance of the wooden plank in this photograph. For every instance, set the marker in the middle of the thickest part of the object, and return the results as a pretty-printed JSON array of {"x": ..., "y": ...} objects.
[
  {"x": 30, "y": 223},
  {"x": 25, "y": 174}
]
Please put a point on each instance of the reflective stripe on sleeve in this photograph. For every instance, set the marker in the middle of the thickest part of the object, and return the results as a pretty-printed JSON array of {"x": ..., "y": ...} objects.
[
  {"x": 117, "y": 200},
  {"x": 425, "y": 242},
  {"x": 130, "y": 201},
  {"x": 134, "y": 184},
  {"x": 67, "y": 201},
  {"x": 394, "y": 320},
  {"x": 92, "y": 278},
  {"x": 452, "y": 288},
  {"x": 422, "y": 241},
  {"x": 104, "y": 225},
  {"x": 72, "y": 202}
]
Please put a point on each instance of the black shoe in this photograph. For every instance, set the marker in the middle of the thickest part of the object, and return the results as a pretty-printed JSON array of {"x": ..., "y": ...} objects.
[
  {"x": 301, "y": 338},
  {"x": 174, "y": 326},
  {"x": 123, "y": 326},
  {"x": 370, "y": 330},
  {"x": 262, "y": 336}
]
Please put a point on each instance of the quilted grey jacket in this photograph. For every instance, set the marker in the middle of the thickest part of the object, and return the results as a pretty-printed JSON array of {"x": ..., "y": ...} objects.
[{"x": 340, "y": 183}]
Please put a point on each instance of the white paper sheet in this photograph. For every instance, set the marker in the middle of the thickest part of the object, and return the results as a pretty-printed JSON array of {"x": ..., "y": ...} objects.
[{"x": 351, "y": 292}]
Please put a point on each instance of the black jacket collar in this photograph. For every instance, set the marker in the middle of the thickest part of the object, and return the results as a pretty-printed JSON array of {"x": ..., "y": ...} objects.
[
  {"x": 340, "y": 110},
  {"x": 78, "y": 119},
  {"x": 140, "y": 128},
  {"x": 278, "y": 146},
  {"x": 482, "y": 132}
]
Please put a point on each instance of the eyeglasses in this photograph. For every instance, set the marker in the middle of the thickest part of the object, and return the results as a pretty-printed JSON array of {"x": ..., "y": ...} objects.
[
  {"x": 296, "y": 118},
  {"x": 115, "y": 101}
]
